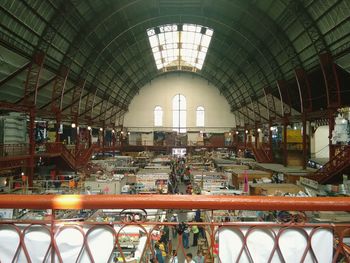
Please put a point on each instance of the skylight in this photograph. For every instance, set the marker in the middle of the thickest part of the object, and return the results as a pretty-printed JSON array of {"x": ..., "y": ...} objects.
[{"x": 177, "y": 47}]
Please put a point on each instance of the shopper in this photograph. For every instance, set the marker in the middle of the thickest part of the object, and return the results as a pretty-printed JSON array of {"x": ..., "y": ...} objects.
[
  {"x": 186, "y": 237},
  {"x": 174, "y": 258},
  {"x": 189, "y": 258},
  {"x": 163, "y": 250},
  {"x": 199, "y": 258},
  {"x": 158, "y": 254},
  {"x": 195, "y": 232},
  {"x": 173, "y": 219}
]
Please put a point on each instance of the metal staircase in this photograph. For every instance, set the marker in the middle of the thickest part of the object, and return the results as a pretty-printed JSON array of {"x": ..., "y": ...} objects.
[
  {"x": 331, "y": 171},
  {"x": 262, "y": 154}
]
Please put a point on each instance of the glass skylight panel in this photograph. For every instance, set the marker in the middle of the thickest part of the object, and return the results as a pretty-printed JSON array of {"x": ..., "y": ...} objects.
[{"x": 179, "y": 45}]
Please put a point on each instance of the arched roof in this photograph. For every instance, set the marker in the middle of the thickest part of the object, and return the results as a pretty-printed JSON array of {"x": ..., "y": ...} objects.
[{"x": 102, "y": 47}]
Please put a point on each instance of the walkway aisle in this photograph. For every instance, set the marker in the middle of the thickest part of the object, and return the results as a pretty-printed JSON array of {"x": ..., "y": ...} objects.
[{"x": 182, "y": 217}]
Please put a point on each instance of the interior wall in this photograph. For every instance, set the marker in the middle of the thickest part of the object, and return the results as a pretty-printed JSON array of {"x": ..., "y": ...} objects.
[
  {"x": 198, "y": 92},
  {"x": 319, "y": 143}
]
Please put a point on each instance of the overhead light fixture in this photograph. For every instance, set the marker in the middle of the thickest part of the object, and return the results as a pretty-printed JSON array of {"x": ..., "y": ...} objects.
[
  {"x": 113, "y": 131},
  {"x": 89, "y": 128},
  {"x": 272, "y": 128},
  {"x": 101, "y": 129},
  {"x": 229, "y": 134},
  {"x": 73, "y": 125},
  {"x": 246, "y": 131},
  {"x": 259, "y": 130},
  {"x": 128, "y": 133},
  {"x": 237, "y": 132}
]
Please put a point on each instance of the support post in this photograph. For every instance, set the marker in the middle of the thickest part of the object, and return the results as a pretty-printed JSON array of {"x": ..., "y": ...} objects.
[
  {"x": 58, "y": 124},
  {"x": 305, "y": 143},
  {"x": 256, "y": 136},
  {"x": 285, "y": 150},
  {"x": 331, "y": 122},
  {"x": 31, "y": 160},
  {"x": 270, "y": 140}
]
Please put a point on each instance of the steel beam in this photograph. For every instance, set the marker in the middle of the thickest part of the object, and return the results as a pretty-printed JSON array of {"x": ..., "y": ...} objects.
[
  {"x": 331, "y": 80},
  {"x": 58, "y": 90},
  {"x": 304, "y": 89},
  {"x": 285, "y": 98},
  {"x": 14, "y": 74},
  {"x": 33, "y": 78}
]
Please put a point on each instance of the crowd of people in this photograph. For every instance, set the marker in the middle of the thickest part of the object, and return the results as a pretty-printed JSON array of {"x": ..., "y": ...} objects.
[{"x": 180, "y": 178}]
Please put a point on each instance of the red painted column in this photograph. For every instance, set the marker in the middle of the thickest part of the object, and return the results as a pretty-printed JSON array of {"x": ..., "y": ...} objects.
[
  {"x": 305, "y": 143},
  {"x": 284, "y": 145},
  {"x": 31, "y": 160},
  {"x": 58, "y": 123},
  {"x": 256, "y": 136},
  {"x": 270, "y": 140},
  {"x": 331, "y": 124}
]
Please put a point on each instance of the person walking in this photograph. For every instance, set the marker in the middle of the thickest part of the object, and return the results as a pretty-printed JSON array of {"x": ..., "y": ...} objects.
[
  {"x": 189, "y": 259},
  {"x": 174, "y": 258},
  {"x": 195, "y": 232},
  {"x": 186, "y": 237},
  {"x": 158, "y": 254},
  {"x": 199, "y": 258},
  {"x": 173, "y": 219}
]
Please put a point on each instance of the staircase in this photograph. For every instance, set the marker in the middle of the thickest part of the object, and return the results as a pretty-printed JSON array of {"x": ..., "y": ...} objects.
[
  {"x": 84, "y": 156},
  {"x": 261, "y": 154},
  {"x": 334, "y": 168},
  {"x": 56, "y": 148},
  {"x": 74, "y": 161}
]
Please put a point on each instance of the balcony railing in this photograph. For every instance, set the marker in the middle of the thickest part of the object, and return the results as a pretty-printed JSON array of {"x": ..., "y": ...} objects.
[
  {"x": 7, "y": 150},
  {"x": 61, "y": 236}
]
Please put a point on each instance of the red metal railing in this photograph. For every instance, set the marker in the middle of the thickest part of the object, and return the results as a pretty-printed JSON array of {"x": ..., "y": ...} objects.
[
  {"x": 59, "y": 148},
  {"x": 334, "y": 167},
  {"x": 7, "y": 150},
  {"x": 63, "y": 240},
  {"x": 75, "y": 241}
]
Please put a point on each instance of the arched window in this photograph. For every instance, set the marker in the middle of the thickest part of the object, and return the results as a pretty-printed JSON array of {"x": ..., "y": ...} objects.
[
  {"x": 200, "y": 116},
  {"x": 158, "y": 116},
  {"x": 179, "y": 113}
]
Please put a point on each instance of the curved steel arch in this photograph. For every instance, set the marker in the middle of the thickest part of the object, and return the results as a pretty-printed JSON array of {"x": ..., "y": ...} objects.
[
  {"x": 262, "y": 53},
  {"x": 105, "y": 47},
  {"x": 110, "y": 16}
]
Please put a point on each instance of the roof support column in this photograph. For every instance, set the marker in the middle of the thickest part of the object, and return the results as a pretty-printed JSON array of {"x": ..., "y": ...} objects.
[
  {"x": 31, "y": 160},
  {"x": 284, "y": 145},
  {"x": 330, "y": 77},
  {"x": 305, "y": 142},
  {"x": 32, "y": 80},
  {"x": 270, "y": 140},
  {"x": 306, "y": 107}
]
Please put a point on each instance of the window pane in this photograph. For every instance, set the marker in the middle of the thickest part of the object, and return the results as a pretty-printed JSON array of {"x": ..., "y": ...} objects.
[{"x": 168, "y": 43}]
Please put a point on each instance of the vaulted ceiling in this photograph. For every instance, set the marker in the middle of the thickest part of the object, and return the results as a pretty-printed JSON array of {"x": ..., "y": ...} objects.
[{"x": 97, "y": 55}]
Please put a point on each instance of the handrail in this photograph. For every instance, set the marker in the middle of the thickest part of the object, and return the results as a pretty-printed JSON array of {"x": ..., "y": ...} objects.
[
  {"x": 333, "y": 166},
  {"x": 14, "y": 149},
  {"x": 261, "y": 203}
]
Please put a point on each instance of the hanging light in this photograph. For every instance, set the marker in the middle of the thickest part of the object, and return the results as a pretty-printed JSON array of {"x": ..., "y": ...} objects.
[
  {"x": 259, "y": 130},
  {"x": 73, "y": 125},
  {"x": 101, "y": 129},
  {"x": 246, "y": 131},
  {"x": 237, "y": 132},
  {"x": 113, "y": 131},
  {"x": 229, "y": 134},
  {"x": 272, "y": 128},
  {"x": 89, "y": 128}
]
